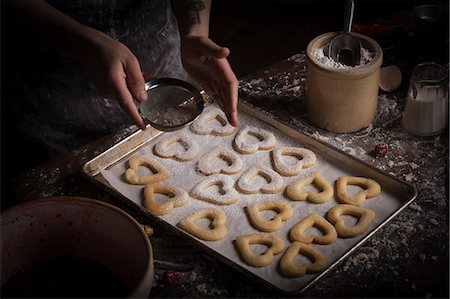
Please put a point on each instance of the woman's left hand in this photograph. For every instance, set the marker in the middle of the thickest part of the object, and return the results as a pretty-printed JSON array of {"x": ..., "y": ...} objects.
[{"x": 207, "y": 63}]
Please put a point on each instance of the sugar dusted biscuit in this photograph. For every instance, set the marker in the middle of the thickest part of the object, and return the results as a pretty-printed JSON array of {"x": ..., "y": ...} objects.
[
  {"x": 273, "y": 182},
  {"x": 234, "y": 162},
  {"x": 266, "y": 140},
  {"x": 307, "y": 159},
  {"x": 166, "y": 148},
  {"x": 203, "y": 125},
  {"x": 227, "y": 195}
]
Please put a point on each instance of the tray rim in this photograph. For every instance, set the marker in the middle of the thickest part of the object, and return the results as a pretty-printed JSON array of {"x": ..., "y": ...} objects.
[{"x": 262, "y": 116}]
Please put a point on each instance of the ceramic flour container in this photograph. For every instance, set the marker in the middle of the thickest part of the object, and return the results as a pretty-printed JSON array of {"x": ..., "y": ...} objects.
[{"x": 342, "y": 100}]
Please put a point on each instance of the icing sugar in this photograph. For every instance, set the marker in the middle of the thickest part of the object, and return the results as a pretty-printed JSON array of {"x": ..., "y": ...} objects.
[
  {"x": 205, "y": 124},
  {"x": 247, "y": 183},
  {"x": 166, "y": 148},
  {"x": 266, "y": 141},
  {"x": 207, "y": 166},
  {"x": 225, "y": 195},
  {"x": 307, "y": 159}
]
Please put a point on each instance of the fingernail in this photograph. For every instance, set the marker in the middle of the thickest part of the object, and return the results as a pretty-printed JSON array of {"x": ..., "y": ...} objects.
[{"x": 143, "y": 96}]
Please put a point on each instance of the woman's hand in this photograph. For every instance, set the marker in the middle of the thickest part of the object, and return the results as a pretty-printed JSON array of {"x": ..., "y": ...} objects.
[
  {"x": 116, "y": 73},
  {"x": 207, "y": 63},
  {"x": 114, "y": 68}
]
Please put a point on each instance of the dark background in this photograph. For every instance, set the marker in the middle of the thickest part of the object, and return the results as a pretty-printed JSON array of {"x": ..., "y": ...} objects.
[{"x": 259, "y": 33}]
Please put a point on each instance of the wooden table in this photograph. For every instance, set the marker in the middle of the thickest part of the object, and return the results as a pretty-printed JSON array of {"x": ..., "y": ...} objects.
[{"x": 408, "y": 257}]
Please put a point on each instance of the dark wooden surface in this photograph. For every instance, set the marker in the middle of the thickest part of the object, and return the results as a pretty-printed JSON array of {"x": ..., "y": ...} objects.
[{"x": 406, "y": 258}]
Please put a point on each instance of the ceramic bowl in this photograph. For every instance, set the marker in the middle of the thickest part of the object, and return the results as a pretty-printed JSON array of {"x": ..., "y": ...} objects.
[{"x": 90, "y": 230}]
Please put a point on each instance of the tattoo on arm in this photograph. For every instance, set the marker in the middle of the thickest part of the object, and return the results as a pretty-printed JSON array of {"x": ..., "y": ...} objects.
[{"x": 197, "y": 6}]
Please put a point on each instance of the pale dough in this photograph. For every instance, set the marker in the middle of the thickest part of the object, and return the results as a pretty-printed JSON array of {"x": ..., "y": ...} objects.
[
  {"x": 217, "y": 230},
  {"x": 295, "y": 189},
  {"x": 365, "y": 219},
  {"x": 329, "y": 234},
  {"x": 159, "y": 172},
  {"x": 370, "y": 186},
  {"x": 291, "y": 270},
  {"x": 177, "y": 198},
  {"x": 275, "y": 246},
  {"x": 283, "y": 209}
]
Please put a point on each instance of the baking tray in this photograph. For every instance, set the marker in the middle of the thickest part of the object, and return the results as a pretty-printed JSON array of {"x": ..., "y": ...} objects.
[{"x": 107, "y": 168}]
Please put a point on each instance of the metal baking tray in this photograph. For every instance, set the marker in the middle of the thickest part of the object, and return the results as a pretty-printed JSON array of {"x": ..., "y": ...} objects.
[{"x": 106, "y": 169}]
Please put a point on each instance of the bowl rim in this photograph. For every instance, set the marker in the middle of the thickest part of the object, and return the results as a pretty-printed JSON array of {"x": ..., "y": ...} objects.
[{"x": 139, "y": 289}]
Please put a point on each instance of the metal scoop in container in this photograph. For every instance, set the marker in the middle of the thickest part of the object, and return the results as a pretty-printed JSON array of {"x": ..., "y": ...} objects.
[
  {"x": 346, "y": 48},
  {"x": 171, "y": 104}
]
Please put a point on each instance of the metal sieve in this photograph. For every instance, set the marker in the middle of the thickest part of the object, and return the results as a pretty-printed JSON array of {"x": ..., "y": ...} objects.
[{"x": 171, "y": 104}]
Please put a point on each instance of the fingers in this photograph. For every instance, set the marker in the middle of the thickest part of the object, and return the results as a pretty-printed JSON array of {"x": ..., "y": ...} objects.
[
  {"x": 148, "y": 76},
  {"x": 228, "y": 87},
  {"x": 135, "y": 78},
  {"x": 125, "y": 99},
  {"x": 213, "y": 49},
  {"x": 231, "y": 100}
]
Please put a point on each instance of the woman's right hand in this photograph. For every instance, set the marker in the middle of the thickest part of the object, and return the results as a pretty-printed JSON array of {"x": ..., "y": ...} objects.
[
  {"x": 114, "y": 68},
  {"x": 116, "y": 72}
]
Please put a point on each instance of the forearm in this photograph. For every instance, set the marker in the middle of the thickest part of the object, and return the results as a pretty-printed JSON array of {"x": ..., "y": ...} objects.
[{"x": 193, "y": 17}]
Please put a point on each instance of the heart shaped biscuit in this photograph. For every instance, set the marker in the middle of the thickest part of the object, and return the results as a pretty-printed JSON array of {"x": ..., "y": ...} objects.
[
  {"x": 283, "y": 209},
  {"x": 159, "y": 172},
  {"x": 370, "y": 186},
  {"x": 213, "y": 122},
  {"x": 306, "y": 159},
  {"x": 243, "y": 144},
  {"x": 295, "y": 189},
  {"x": 274, "y": 246},
  {"x": 365, "y": 219},
  {"x": 329, "y": 236},
  {"x": 177, "y": 198},
  {"x": 187, "y": 151},
  {"x": 289, "y": 269},
  {"x": 226, "y": 195},
  {"x": 217, "y": 230},
  {"x": 234, "y": 162},
  {"x": 272, "y": 183}
]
